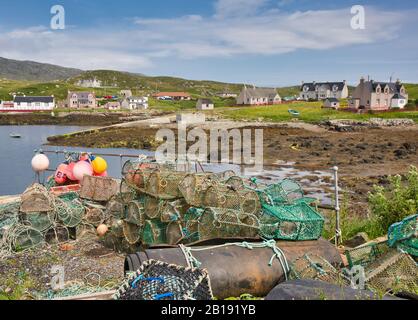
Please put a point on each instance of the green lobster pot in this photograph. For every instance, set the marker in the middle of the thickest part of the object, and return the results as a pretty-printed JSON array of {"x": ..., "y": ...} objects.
[
  {"x": 40, "y": 221},
  {"x": 154, "y": 232},
  {"x": 25, "y": 237},
  {"x": 297, "y": 222}
]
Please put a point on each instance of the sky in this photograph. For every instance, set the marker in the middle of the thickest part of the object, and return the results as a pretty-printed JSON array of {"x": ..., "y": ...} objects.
[{"x": 261, "y": 42}]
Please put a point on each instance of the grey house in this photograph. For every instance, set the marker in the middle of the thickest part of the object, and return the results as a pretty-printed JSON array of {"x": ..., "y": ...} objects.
[
  {"x": 323, "y": 90},
  {"x": 374, "y": 95},
  {"x": 205, "y": 104},
  {"x": 258, "y": 96},
  {"x": 81, "y": 100}
]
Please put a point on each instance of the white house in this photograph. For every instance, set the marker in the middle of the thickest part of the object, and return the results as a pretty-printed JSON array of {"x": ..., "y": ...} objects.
[
  {"x": 28, "y": 104},
  {"x": 331, "y": 103},
  {"x": 258, "y": 96},
  {"x": 135, "y": 103},
  {"x": 90, "y": 83},
  {"x": 323, "y": 90},
  {"x": 205, "y": 104}
]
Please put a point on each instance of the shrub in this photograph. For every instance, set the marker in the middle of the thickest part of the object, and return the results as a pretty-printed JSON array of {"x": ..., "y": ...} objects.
[{"x": 396, "y": 202}]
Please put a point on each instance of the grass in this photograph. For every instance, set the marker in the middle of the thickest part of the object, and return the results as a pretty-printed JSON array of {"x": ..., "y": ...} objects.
[{"x": 309, "y": 112}]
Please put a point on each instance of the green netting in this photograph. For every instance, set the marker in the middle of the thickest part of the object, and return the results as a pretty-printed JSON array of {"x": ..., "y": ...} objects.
[
  {"x": 291, "y": 222},
  {"x": 286, "y": 192},
  {"x": 404, "y": 235},
  {"x": 40, "y": 221},
  {"x": 70, "y": 210},
  {"x": 154, "y": 232},
  {"x": 19, "y": 237},
  {"x": 366, "y": 254}
]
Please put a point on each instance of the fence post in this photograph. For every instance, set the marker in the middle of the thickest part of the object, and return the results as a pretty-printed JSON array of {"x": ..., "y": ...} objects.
[{"x": 338, "y": 235}]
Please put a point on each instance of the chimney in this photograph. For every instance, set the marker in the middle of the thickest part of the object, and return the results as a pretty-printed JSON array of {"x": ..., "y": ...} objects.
[{"x": 362, "y": 80}]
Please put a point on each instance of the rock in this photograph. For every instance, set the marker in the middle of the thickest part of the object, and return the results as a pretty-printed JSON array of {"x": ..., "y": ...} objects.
[{"x": 357, "y": 240}]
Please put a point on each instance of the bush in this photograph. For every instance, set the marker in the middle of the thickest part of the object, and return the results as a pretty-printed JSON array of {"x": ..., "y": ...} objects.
[{"x": 396, "y": 202}]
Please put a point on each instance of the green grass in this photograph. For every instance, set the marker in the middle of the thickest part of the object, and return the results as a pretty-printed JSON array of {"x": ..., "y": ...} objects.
[{"x": 309, "y": 112}]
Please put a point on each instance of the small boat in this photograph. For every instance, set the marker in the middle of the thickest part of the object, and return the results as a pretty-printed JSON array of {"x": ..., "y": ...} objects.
[
  {"x": 294, "y": 113},
  {"x": 15, "y": 135}
]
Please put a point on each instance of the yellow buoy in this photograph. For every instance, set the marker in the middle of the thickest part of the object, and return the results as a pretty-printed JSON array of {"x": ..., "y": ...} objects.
[{"x": 99, "y": 165}]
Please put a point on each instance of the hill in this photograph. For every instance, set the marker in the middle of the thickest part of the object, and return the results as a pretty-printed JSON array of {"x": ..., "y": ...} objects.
[{"x": 34, "y": 71}]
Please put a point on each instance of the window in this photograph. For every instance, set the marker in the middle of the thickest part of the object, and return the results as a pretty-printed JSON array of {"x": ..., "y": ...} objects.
[
  {"x": 378, "y": 102},
  {"x": 378, "y": 90}
]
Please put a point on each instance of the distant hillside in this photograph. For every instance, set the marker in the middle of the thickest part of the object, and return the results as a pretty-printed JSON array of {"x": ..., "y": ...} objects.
[
  {"x": 34, "y": 71},
  {"x": 141, "y": 83}
]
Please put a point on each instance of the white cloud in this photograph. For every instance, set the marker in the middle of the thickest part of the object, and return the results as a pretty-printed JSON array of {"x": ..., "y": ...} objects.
[{"x": 238, "y": 27}]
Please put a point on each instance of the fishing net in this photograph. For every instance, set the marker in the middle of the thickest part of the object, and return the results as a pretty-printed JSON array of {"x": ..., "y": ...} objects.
[
  {"x": 314, "y": 267},
  {"x": 395, "y": 271},
  {"x": 404, "y": 235},
  {"x": 70, "y": 210},
  {"x": 134, "y": 222},
  {"x": 157, "y": 280},
  {"x": 291, "y": 222},
  {"x": 115, "y": 208},
  {"x": 190, "y": 224},
  {"x": 366, "y": 254},
  {"x": 9, "y": 215},
  {"x": 40, "y": 221},
  {"x": 19, "y": 237},
  {"x": 226, "y": 223}
]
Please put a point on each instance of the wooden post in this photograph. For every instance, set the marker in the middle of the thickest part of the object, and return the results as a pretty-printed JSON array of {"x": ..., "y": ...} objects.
[{"x": 338, "y": 235}]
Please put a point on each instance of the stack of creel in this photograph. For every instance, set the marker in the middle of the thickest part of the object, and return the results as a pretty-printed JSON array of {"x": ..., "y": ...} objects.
[{"x": 404, "y": 235}]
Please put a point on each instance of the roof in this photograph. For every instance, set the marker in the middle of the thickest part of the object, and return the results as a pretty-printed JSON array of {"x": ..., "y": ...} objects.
[
  {"x": 30, "y": 99},
  {"x": 81, "y": 94},
  {"x": 205, "y": 101},
  {"x": 261, "y": 92},
  {"x": 332, "y": 100},
  {"x": 330, "y": 85},
  {"x": 171, "y": 94},
  {"x": 398, "y": 96}
]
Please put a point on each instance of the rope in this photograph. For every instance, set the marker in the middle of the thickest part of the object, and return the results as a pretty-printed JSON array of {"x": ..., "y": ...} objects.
[{"x": 192, "y": 262}]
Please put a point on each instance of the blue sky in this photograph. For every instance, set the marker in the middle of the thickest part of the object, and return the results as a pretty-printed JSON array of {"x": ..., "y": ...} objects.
[{"x": 262, "y": 42}]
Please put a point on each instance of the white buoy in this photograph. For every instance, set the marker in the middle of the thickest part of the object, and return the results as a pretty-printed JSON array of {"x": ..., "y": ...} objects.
[{"x": 40, "y": 163}]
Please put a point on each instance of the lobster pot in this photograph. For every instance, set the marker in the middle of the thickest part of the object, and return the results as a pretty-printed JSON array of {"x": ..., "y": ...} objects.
[
  {"x": 314, "y": 267},
  {"x": 173, "y": 211},
  {"x": 164, "y": 184},
  {"x": 154, "y": 232},
  {"x": 83, "y": 230},
  {"x": 190, "y": 224},
  {"x": 132, "y": 232},
  {"x": 36, "y": 199},
  {"x": 221, "y": 196},
  {"x": 40, "y": 221},
  {"x": 156, "y": 280},
  {"x": 292, "y": 222},
  {"x": 174, "y": 232},
  {"x": 366, "y": 254},
  {"x": 115, "y": 208},
  {"x": 404, "y": 235},
  {"x": 69, "y": 211},
  {"x": 57, "y": 234},
  {"x": 227, "y": 223},
  {"x": 193, "y": 186},
  {"x": 116, "y": 228},
  {"x": 224, "y": 175},
  {"x": 394, "y": 271},
  {"x": 94, "y": 216},
  {"x": 135, "y": 213},
  {"x": 21, "y": 237},
  {"x": 152, "y": 207}
]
